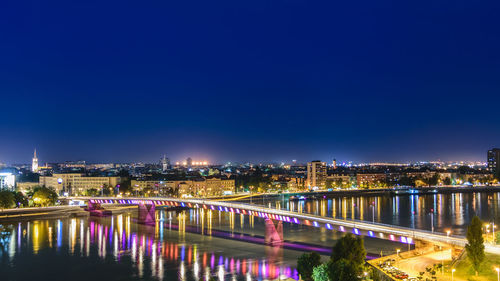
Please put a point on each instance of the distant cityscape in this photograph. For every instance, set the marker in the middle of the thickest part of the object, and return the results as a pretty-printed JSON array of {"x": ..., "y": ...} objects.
[{"x": 199, "y": 178}]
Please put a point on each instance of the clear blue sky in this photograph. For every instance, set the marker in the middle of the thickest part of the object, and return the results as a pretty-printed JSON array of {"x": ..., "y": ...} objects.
[{"x": 249, "y": 80}]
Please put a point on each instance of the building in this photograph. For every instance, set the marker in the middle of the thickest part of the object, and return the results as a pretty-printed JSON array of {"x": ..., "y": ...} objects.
[
  {"x": 165, "y": 163},
  {"x": 7, "y": 181},
  {"x": 371, "y": 180},
  {"x": 77, "y": 183},
  {"x": 182, "y": 188},
  {"x": 494, "y": 160},
  {"x": 34, "y": 163},
  {"x": 316, "y": 174},
  {"x": 24, "y": 187}
]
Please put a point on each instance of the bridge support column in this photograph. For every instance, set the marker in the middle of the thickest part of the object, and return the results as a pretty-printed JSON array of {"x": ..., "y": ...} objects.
[
  {"x": 274, "y": 236},
  {"x": 146, "y": 214},
  {"x": 93, "y": 206}
]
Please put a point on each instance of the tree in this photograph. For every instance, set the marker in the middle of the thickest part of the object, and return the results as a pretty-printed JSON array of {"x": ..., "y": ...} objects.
[
  {"x": 306, "y": 263},
  {"x": 320, "y": 273},
  {"x": 7, "y": 199},
  {"x": 20, "y": 199},
  {"x": 343, "y": 270},
  {"x": 44, "y": 197},
  {"x": 475, "y": 243},
  {"x": 447, "y": 181},
  {"x": 350, "y": 248}
]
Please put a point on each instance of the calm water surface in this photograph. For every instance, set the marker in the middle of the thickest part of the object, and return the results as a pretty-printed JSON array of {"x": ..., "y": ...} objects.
[
  {"x": 116, "y": 248},
  {"x": 451, "y": 211},
  {"x": 199, "y": 244}
]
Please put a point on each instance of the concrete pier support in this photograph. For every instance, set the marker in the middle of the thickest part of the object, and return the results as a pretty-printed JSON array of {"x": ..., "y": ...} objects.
[
  {"x": 274, "y": 235},
  {"x": 146, "y": 214}
]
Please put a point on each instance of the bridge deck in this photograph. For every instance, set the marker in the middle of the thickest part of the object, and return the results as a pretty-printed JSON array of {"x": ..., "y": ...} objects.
[{"x": 377, "y": 230}]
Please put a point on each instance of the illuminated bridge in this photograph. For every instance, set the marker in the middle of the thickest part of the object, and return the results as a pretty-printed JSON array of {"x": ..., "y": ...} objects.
[{"x": 376, "y": 230}]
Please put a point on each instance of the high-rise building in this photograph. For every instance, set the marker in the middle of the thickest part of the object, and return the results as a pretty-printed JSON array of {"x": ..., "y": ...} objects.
[
  {"x": 7, "y": 181},
  {"x": 34, "y": 163},
  {"x": 165, "y": 163},
  {"x": 494, "y": 160},
  {"x": 189, "y": 162},
  {"x": 316, "y": 174},
  {"x": 334, "y": 164}
]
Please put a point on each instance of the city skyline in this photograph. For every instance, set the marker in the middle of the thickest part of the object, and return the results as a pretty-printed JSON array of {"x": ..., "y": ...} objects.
[{"x": 164, "y": 160}]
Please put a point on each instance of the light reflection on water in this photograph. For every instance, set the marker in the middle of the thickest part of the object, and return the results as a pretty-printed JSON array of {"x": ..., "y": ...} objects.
[
  {"x": 158, "y": 252},
  {"x": 450, "y": 211}
]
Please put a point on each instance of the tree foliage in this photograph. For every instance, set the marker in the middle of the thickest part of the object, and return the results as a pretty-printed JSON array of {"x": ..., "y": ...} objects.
[
  {"x": 20, "y": 199},
  {"x": 44, "y": 197},
  {"x": 343, "y": 270},
  {"x": 320, "y": 273},
  {"x": 475, "y": 243},
  {"x": 306, "y": 263},
  {"x": 7, "y": 199},
  {"x": 350, "y": 248}
]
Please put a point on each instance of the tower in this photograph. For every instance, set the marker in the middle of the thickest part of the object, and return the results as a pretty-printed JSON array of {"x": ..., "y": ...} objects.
[
  {"x": 165, "y": 163},
  {"x": 34, "y": 163}
]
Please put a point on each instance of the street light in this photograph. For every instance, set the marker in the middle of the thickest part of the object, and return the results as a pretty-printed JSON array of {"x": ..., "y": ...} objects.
[
  {"x": 498, "y": 273},
  {"x": 432, "y": 220},
  {"x": 373, "y": 212},
  {"x": 448, "y": 233},
  {"x": 397, "y": 254},
  {"x": 452, "y": 271}
]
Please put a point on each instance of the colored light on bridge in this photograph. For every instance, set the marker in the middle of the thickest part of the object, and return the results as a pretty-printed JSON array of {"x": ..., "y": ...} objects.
[
  {"x": 356, "y": 231},
  {"x": 403, "y": 239},
  {"x": 370, "y": 233},
  {"x": 328, "y": 226},
  {"x": 409, "y": 240},
  {"x": 392, "y": 237},
  {"x": 316, "y": 224},
  {"x": 295, "y": 220},
  {"x": 342, "y": 228}
]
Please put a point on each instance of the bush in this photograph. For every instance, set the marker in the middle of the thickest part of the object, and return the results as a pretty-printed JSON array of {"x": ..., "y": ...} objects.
[
  {"x": 7, "y": 199},
  {"x": 306, "y": 263}
]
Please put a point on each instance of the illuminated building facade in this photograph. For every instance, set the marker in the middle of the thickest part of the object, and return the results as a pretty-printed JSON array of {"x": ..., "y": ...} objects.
[
  {"x": 494, "y": 160},
  {"x": 182, "y": 188},
  {"x": 316, "y": 174},
  {"x": 7, "y": 181},
  {"x": 34, "y": 163},
  {"x": 76, "y": 183}
]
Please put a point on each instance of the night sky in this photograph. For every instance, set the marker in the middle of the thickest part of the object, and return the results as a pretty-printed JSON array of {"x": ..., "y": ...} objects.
[{"x": 120, "y": 81}]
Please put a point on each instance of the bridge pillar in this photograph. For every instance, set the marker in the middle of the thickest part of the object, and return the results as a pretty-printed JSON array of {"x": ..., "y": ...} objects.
[
  {"x": 93, "y": 206},
  {"x": 146, "y": 214},
  {"x": 274, "y": 237}
]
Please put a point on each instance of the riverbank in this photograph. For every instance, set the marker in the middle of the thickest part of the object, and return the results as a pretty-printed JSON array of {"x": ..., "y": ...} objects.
[{"x": 53, "y": 212}]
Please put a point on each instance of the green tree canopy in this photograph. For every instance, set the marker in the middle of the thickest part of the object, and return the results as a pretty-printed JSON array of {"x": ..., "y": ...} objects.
[
  {"x": 343, "y": 270},
  {"x": 7, "y": 199},
  {"x": 20, "y": 199},
  {"x": 44, "y": 197},
  {"x": 475, "y": 243},
  {"x": 320, "y": 273},
  {"x": 306, "y": 263},
  {"x": 350, "y": 248}
]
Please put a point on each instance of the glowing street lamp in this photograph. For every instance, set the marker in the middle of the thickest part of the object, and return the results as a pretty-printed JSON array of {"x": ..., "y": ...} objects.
[
  {"x": 448, "y": 233},
  {"x": 498, "y": 273},
  {"x": 452, "y": 271}
]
